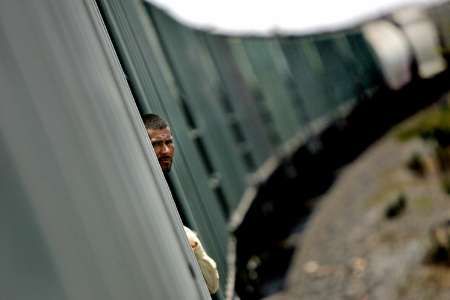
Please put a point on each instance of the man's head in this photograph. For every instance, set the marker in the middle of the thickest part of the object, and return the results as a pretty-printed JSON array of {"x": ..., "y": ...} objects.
[{"x": 161, "y": 138}]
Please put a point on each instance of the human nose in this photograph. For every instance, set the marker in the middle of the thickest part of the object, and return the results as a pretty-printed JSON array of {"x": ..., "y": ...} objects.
[{"x": 165, "y": 148}]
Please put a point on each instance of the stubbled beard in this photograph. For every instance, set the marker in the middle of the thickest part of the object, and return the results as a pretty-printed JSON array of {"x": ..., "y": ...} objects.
[{"x": 166, "y": 169}]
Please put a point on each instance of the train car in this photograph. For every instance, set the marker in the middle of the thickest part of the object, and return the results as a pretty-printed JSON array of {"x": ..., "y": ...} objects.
[
  {"x": 88, "y": 212},
  {"x": 85, "y": 211}
]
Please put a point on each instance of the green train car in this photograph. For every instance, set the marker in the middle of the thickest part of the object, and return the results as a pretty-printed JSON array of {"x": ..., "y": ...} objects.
[{"x": 87, "y": 205}]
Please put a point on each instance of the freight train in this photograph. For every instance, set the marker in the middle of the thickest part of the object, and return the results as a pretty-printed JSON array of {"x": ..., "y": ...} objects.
[{"x": 86, "y": 212}]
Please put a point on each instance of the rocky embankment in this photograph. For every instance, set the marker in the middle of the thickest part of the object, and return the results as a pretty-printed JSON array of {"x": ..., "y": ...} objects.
[{"x": 369, "y": 237}]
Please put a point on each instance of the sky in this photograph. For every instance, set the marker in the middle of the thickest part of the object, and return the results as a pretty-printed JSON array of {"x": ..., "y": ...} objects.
[{"x": 269, "y": 16}]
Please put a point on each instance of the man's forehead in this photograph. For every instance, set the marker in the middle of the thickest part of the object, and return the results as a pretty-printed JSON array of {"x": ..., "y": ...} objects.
[{"x": 159, "y": 134}]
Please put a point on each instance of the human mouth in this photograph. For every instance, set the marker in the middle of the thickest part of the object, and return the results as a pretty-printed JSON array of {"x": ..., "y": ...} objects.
[{"x": 165, "y": 160}]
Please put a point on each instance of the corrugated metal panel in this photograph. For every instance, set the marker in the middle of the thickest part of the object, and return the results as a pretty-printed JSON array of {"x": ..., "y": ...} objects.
[
  {"x": 272, "y": 83},
  {"x": 287, "y": 82},
  {"x": 201, "y": 88},
  {"x": 306, "y": 67},
  {"x": 337, "y": 77},
  {"x": 156, "y": 91},
  {"x": 368, "y": 73},
  {"x": 243, "y": 103},
  {"x": 245, "y": 67},
  {"x": 78, "y": 169}
]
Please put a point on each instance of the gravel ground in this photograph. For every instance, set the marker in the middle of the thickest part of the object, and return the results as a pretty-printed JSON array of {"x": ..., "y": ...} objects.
[{"x": 350, "y": 250}]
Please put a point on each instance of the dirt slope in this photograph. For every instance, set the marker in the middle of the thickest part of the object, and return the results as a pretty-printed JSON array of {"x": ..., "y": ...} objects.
[{"x": 351, "y": 250}]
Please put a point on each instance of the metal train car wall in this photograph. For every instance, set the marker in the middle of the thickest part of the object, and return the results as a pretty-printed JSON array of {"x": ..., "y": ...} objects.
[{"x": 86, "y": 211}]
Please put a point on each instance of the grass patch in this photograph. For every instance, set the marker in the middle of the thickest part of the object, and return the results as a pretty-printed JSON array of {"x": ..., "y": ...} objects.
[
  {"x": 446, "y": 184},
  {"x": 432, "y": 125},
  {"x": 423, "y": 204},
  {"x": 384, "y": 195}
]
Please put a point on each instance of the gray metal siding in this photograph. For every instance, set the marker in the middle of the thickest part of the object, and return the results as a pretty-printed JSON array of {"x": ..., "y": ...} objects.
[{"x": 82, "y": 176}]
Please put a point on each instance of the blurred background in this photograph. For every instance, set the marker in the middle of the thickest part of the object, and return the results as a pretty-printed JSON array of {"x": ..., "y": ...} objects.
[{"x": 312, "y": 149}]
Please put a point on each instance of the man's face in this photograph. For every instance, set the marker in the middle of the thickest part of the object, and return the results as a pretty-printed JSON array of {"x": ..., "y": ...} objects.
[{"x": 162, "y": 142}]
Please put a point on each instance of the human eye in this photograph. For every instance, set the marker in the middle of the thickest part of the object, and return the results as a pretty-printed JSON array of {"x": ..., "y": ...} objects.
[{"x": 157, "y": 144}]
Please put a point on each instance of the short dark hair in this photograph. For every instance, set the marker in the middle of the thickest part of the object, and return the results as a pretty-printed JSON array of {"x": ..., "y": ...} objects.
[{"x": 152, "y": 121}]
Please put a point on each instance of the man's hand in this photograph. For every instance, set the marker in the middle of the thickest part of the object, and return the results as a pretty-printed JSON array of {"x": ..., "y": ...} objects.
[
  {"x": 207, "y": 264},
  {"x": 193, "y": 243}
]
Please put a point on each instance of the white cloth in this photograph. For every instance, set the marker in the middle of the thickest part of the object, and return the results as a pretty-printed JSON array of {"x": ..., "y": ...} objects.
[{"x": 206, "y": 263}]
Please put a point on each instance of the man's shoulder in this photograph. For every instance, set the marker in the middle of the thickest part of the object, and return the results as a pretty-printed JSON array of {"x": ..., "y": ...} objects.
[{"x": 189, "y": 232}]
